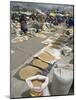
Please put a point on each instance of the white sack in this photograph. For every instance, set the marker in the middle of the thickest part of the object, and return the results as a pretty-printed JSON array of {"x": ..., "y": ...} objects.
[
  {"x": 39, "y": 77},
  {"x": 50, "y": 75},
  {"x": 62, "y": 80},
  {"x": 66, "y": 50}
]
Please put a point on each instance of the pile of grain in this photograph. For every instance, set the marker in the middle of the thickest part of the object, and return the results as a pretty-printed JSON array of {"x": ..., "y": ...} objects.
[
  {"x": 60, "y": 39},
  {"x": 39, "y": 64},
  {"x": 40, "y": 35},
  {"x": 20, "y": 39},
  {"x": 55, "y": 46},
  {"x": 46, "y": 57},
  {"x": 37, "y": 83},
  {"x": 28, "y": 71},
  {"x": 56, "y": 43}
]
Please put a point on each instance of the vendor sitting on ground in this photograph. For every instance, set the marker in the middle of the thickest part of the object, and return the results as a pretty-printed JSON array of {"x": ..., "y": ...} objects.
[{"x": 24, "y": 26}]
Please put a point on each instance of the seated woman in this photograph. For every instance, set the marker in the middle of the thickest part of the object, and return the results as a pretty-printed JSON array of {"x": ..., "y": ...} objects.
[{"x": 24, "y": 26}]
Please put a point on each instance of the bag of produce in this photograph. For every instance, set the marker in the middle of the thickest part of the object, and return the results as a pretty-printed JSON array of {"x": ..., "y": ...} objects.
[{"x": 62, "y": 80}]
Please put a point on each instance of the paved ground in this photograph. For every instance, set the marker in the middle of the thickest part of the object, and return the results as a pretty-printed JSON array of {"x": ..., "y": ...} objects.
[
  {"x": 21, "y": 52},
  {"x": 25, "y": 49}
]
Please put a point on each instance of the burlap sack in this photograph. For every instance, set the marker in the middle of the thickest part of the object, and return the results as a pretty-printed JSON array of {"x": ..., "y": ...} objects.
[{"x": 62, "y": 80}]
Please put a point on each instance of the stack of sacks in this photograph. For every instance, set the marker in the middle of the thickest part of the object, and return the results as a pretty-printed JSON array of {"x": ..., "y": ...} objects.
[{"x": 62, "y": 80}]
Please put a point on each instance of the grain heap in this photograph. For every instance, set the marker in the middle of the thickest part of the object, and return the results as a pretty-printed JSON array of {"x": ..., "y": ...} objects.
[
  {"x": 28, "y": 71},
  {"x": 46, "y": 57},
  {"x": 56, "y": 42},
  {"x": 37, "y": 83},
  {"x": 40, "y": 64},
  {"x": 55, "y": 46}
]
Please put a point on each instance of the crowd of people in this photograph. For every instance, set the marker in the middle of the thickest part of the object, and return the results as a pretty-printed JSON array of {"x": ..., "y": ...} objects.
[{"x": 23, "y": 23}]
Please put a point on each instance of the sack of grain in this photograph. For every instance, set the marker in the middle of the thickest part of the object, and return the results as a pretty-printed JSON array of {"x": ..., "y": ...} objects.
[
  {"x": 37, "y": 83},
  {"x": 62, "y": 80},
  {"x": 66, "y": 50}
]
